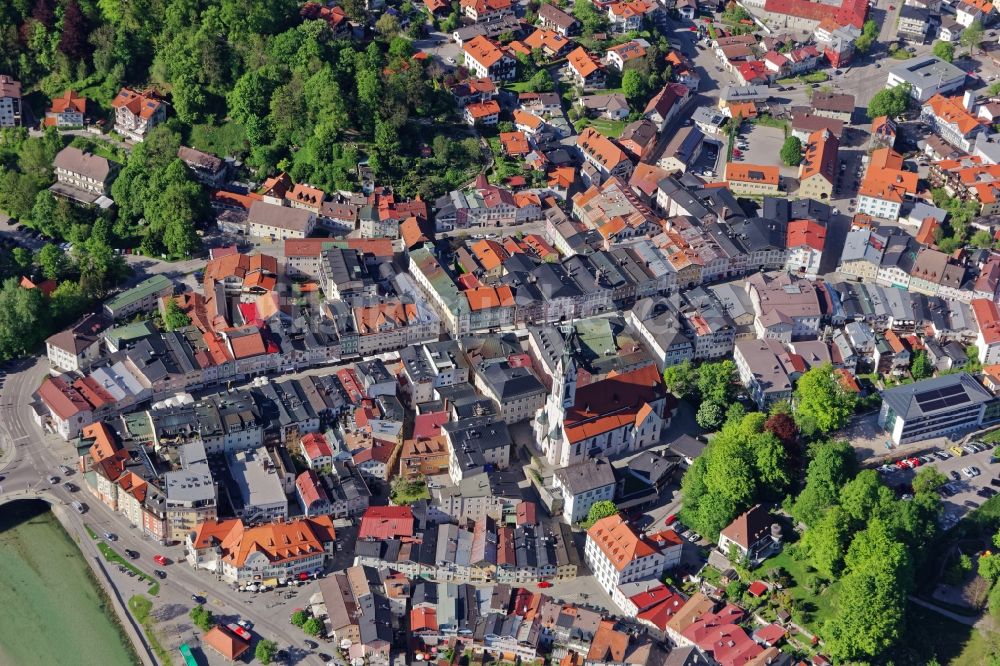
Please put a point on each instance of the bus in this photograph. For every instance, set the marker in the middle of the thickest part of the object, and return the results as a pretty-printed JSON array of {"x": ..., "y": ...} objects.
[{"x": 189, "y": 659}]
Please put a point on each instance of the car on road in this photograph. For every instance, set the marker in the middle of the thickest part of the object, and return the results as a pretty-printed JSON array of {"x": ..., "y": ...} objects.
[
  {"x": 160, "y": 559},
  {"x": 160, "y": 573},
  {"x": 545, "y": 584},
  {"x": 132, "y": 555},
  {"x": 197, "y": 598},
  {"x": 111, "y": 536},
  {"x": 312, "y": 645}
]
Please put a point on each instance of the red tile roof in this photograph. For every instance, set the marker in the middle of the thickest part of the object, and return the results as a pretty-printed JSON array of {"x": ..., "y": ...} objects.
[
  {"x": 386, "y": 522},
  {"x": 316, "y": 446}
]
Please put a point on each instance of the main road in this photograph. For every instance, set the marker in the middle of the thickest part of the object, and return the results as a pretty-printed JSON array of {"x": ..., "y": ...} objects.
[{"x": 30, "y": 456}]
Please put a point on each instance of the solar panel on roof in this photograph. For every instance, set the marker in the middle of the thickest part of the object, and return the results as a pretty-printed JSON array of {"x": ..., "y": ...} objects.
[
  {"x": 957, "y": 389},
  {"x": 932, "y": 406}
]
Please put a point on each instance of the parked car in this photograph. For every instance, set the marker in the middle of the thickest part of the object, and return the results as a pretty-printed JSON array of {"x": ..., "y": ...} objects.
[
  {"x": 955, "y": 475},
  {"x": 544, "y": 584}
]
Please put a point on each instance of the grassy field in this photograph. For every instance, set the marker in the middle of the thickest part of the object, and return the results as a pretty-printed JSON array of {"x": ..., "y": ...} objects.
[
  {"x": 816, "y": 607},
  {"x": 609, "y": 128},
  {"x": 140, "y": 607}
]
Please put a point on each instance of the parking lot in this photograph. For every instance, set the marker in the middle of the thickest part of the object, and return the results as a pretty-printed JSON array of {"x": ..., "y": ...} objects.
[
  {"x": 710, "y": 159},
  {"x": 763, "y": 148},
  {"x": 963, "y": 493}
]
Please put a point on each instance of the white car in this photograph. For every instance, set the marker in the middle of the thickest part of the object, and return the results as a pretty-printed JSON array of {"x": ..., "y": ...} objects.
[
  {"x": 974, "y": 471},
  {"x": 450, "y": 60},
  {"x": 967, "y": 472}
]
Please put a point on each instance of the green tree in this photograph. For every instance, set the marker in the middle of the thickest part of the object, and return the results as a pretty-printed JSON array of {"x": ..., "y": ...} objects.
[
  {"x": 299, "y": 618},
  {"x": 601, "y": 509},
  {"x": 825, "y": 543},
  {"x": 832, "y": 465},
  {"x": 989, "y": 567},
  {"x": 313, "y": 627},
  {"x": 944, "y": 50},
  {"x": 891, "y": 102},
  {"x": 821, "y": 403},
  {"x": 864, "y": 496},
  {"x": 716, "y": 381},
  {"x": 52, "y": 261},
  {"x": 632, "y": 85},
  {"x": 24, "y": 319},
  {"x": 710, "y": 415},
  {"x": 791, "y": 151},
  {"x": 175, "y": 317},
  {"x": 387, "y": 26},
  {"x": 972, "y": 36},
  {"x": 982, "y": 239},
  {"x": 202, "y": 617},
  {"x": 265, "y": 651},
  {"x": 928, "y": 480},
  {"x": 67, "y": 303},
  {"x": 920, "y": 366},
  {"x": 681, "y": 379}
]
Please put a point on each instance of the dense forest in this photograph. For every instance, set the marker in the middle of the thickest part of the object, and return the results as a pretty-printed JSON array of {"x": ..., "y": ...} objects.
[{"x": 259, "y": 80}]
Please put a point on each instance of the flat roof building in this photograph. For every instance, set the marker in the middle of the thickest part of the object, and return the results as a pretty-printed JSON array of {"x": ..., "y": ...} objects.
[{"x": 933, "y": 407}]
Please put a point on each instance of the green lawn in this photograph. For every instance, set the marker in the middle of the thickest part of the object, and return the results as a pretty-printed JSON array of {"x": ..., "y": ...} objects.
[
  {"x": 140, "y": 607},
  {"x": 991, "y": 436},
  {"x": 227, "y": 139},
  {"x": 609, "y": 128},
  {"x": 816, "y": 607},
  {"x": 408, "y": 492},
  {"x": 930, "y": 634}
]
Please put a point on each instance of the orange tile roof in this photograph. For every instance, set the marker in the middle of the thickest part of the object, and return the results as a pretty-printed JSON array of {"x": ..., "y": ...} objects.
[
  {"x": 139, "y": 104},
  {"x": 515, "y": 143},
  {"x": 629, "y": 50},
  {"x": 69, "y": 101},
  {"x": 820, "y": 158},
  {"x": 562, "y": 177},
  {"x": 988, "y": 319},
  {"x": 743, "y": 109},
  {"x": 527, "y": 119},
  {"x": 925, "y": 236},
  {"x": 612, "y": 403},
  {"x": 281, "y": 542},
  {"x": 371, "y": 318},
  {"x": 483, "y": 109},
  {"x": 600, "y": 147},
  {"x": 306, "y": 194},
  {"x": 806, "y": 232},
  {"x": 412, "y": 234},
  {"x": 481, "y": 298},
  {"x": 753, "y": 173},
  {"x": 483, "y": 51},
  {"x": 489, "y": 253},
  {"x": 630, "y": 8},
  {"x": 951, "y": 111},
  {"x": 618, "y": 542},
  {"x": 247, "y": 345},
  {"x": 582, "y": 62},
  {"x": 885, "y": 178},
  {"x": 546, "y": 39},
  {"x": 225, "y": 643}
]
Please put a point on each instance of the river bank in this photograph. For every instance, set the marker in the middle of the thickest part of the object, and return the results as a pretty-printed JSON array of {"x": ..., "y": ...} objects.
[{"x": 56, "y": 612}]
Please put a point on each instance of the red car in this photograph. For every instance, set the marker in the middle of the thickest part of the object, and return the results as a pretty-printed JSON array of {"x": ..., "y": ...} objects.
[
  {"x": 671, "y": 519},
  {"x": 693, "y": 29},
  {"x": 159, "y": 559},
  {"x": 914, "y": 462},
  {"x": 544, "y": 584},
  {"x": 901, "y": 464},
  {"x": 239, "y": 631}
]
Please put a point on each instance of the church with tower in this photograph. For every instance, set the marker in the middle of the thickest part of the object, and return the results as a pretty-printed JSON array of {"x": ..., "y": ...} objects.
[{"x": 620, "y": 414}]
